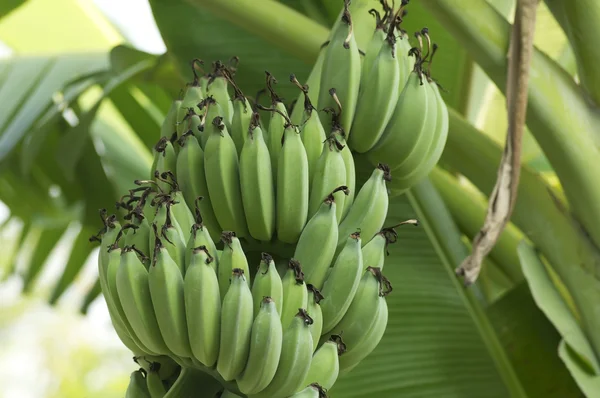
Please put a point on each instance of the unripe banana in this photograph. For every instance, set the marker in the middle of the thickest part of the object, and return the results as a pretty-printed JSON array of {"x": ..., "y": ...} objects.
[
  {"x": 200, "y": 236},
  {"x": 181, "y": 213},
  {"x": 350, "y": 175},
  {"x": 375, "y": 251},
  {"x": 374, "y": 46},
  {"x": 295, "y": 294},
  {"x": 311, "y": 130},
  {"x": 188, "y": 120},
  {"x": 330, "y": 173},
  {"x": 363, "y": 312},
  {"x": 341, "y": 284},
  {"x": 165, "y": 159},
  {"x": 292, "y": 187},
  {"x": 166, "y": 227},
  {"x": 191, "y": 176},
  {"x": 236, "y": 327},
  {"x": 169, "y": 125},
  {"x": 435, "y": 150},
  {"x": 312, "y": 391},
  {"x": 134, "y": 295},
  {"x": 166, "y": 289},
  {"x": 407, "y": 136},
  {"x": 118, "y": 316},
  {"x": 155, "y": 385},
  {"x": 223, "y": 180},
  {"x": 314, "y": 310},
  {"x": 313, "y": 84},
  {"x": 137, "y": 387},
  {"x": 109, "y": 234},
  {"x": 341, "y": 71},
  {"x": 406, "y": 62},
  {"x": 217, "y": 88},
  {"x": 203, "y": 307},
  {"x": 294, "y": 362},
  {"x": 211, "y": 109},
  {"x": 265, "y": 349},
  {"x": 316, "y": 246},
  {"x": 194, "y": 93},
  {"x": 175, "y": 245},
  {"x": 138, "y": 233},
  {"x": 413, "y": 162},
  {"x": 370, "y": 341},
  {"x": 232, "y": 258},
  {"x": 378, "y": 96},
  {"x": 256, "y": 181},
  {"x": 325, "y": 364},
  {"x": 277, "y": 125},
  {"x": 242, "y": 116},
  {"x": 369, "y": 210},
  {"x": 267, "y": 283}
]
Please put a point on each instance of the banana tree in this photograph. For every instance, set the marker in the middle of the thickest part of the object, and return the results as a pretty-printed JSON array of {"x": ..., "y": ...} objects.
[{"x": 532, "y": 312}]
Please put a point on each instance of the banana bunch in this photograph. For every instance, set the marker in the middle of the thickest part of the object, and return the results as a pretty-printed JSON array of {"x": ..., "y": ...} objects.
[
  {"x": 250, "y": 253},
  {"x": 385, "y": 104}
]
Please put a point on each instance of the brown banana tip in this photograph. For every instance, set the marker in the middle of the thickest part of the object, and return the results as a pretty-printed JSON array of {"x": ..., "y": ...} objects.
[{"x": 305, "y": 317}]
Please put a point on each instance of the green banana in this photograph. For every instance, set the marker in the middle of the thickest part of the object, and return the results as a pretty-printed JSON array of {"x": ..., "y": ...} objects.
[
  {"x": 407, "y": 136},
  {"x": 437, "y": 144},
  {"x": 194, "y": 93},
  {"x": 267, "y": 283},
  {"x": 378, "y": 96},
  {"x": 330, "y": 173},
  {"x": 256, "y": 182},
  {"x": 375, "y": 251},
  {"x": 112, "y": 299},
  {"x": 325, "y": 364},
  {"x": 202, "y": 306},
  {"x": 311, "y": 131},
  {"x": 341, "y": 72},
  {"x": 370, "y": 340},
  {"x": 191, "y": 176},
  {"x": 314, "y": 310},
  {"x": 217, "y": 88},
  {"x": 242, "y": 115},
  {"x": 137, "y": 387},
  {"x": 362, "y": 313},
  {"x": 200, "y": 236},
  {"x": 350, "y": 174},
  {"x": 175, "y": 245},
  {"x": 341, "y": 284},
  {"x": 292, "y": 187},
  {"x": 233, "y": 257},
  {"x": 181, "y": 213},
  {"x": 294, "y": 362},
  {"x": 418, "y": 156},
  {"x": 135, "y": 298},
  {"x": 110, "y": 234},
  {"x": 212, "y": 109},
  {"x": 155, "y": 385},
  {"x": 369, "y": 210},
  {"x": 188, "y": 120},
  {"x": 375, "y": 44},
  {"x": 236, "y": 327},
  {"x": 265, "y": 348},
  {"x": 312, "y": 85},
  {"x": 295, "y": 294},
  {"x": 165, "y": 159},
  {"x": 277, "y": 125},
  {"x": 169, "y": 125},
  {"x": 166, "y": 289},
  {"x": 316, "y": 246},
  {"x": 312, "y": 391},
  {"x": 223, "y": 179}
]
